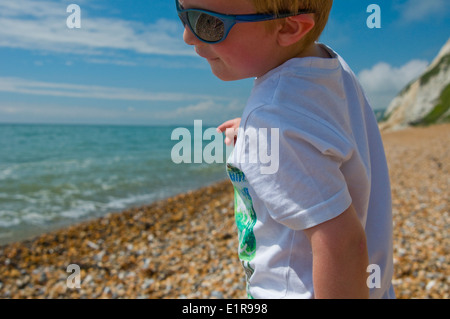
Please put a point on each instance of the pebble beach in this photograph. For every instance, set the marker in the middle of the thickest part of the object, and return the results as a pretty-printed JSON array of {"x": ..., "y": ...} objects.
[{"x": 186, "y": 246}]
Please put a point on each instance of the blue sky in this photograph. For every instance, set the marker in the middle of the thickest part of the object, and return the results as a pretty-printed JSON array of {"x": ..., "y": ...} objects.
[{"x": 128, "y": 64}]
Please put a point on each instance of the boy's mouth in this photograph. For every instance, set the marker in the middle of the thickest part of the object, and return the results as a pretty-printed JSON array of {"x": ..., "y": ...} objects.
[
  {"x": 213, "y": 60},
  {"x": 205, "y": 56}
]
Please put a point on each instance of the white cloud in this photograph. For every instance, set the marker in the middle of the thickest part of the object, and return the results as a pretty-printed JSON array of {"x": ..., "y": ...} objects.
[
  {"x": 383, "y": 82},
  {"x": 213, "y": 109},
  {"x": 211, "y": 112},
  {"x": 24, "y": 86},
  {"x": 199, "y": 108},
  {"x": 41, "y": 25},
  {"x": 419, "y": 10},
  {"x": 208, "y": 110},
  {"x": 89, "y": 114}
]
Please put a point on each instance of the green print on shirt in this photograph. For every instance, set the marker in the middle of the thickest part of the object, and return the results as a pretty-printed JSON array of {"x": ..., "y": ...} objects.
[
  {"x": 244, "y": 214},
  {"x": 245, "y": 220},
  {"x": 245, "y": 217}
]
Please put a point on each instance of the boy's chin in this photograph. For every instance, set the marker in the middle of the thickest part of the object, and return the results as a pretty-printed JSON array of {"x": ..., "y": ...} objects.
[{"x": 225, "y": 76}]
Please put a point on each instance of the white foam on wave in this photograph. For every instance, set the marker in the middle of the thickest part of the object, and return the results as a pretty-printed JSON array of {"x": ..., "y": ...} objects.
[
  {"x": 121, "y": 203},
  {"x": 6, "y": 173},
  {"x": 35, "y": 218},
  {"x": 8, "y": 219},
  {"x": 81, "y": 209}
]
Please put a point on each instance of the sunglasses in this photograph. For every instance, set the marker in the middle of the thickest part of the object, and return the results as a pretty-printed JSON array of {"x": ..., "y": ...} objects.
[{"x": 212, "y": 27}]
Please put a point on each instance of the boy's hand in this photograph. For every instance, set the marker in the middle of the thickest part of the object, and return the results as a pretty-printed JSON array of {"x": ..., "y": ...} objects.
[{"x": 231, "y": 128}]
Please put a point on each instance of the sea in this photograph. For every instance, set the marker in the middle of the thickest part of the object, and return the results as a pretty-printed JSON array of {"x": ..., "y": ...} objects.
[{"x": 53, "y": 176}]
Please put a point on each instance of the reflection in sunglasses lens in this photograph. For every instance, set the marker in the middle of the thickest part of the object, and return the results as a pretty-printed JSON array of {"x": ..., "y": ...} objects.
[{"x": 206, "y": 27}]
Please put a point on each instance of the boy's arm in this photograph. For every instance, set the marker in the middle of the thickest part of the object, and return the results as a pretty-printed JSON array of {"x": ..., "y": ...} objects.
[{"x": 340, "y": 257}]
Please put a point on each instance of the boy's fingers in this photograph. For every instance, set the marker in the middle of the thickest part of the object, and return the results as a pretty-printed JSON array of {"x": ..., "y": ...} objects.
[
  {"x": 231, "y": 136},
  {"x": 234, "y": 123},
  {"x": 230, "y": 128},
  {"x": 225, "y": 125}
]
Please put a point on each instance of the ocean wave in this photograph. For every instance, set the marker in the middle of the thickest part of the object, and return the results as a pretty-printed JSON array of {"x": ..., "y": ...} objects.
[
  {"x": 81, "y": 209},
  {"x": 8, "y": 219}
]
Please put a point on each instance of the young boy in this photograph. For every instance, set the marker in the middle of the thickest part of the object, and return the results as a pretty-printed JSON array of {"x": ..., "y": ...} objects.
[{"x": 311, "y": 228}]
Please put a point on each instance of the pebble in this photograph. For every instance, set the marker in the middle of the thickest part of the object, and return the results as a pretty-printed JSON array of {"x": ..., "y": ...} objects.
[
  {"x": 174, "y": 248},
  {"x": 419, "y": 167},
  {"x": 185, "y": 246}
]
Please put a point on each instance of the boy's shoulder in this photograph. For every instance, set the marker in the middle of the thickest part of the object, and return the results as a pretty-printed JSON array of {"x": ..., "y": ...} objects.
[
  {"x": 308, "y": 69},
  {"x": 310, "y": 91},
  {"x": 299, "y": 80}
]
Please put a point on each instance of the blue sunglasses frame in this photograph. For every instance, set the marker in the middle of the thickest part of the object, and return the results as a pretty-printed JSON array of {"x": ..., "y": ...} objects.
[{"x": 229, "y": 20}]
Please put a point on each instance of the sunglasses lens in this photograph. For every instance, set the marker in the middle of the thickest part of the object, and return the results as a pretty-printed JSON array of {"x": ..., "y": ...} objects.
[{"x": 205, "y": 26}]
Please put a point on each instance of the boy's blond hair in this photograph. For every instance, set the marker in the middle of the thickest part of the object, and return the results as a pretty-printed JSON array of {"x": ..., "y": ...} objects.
[{"x": 321, "y": 9}]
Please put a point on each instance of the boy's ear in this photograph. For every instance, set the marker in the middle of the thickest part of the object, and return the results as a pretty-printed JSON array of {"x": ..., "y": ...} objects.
[{"x": 293, "y": 29}]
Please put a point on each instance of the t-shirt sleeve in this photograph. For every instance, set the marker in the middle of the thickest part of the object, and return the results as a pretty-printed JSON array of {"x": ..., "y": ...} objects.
[{"x": 304, "y": 186}]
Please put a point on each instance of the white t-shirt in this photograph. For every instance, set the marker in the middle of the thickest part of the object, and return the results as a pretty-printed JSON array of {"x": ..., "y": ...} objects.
[{"x": 308, "y": 147}]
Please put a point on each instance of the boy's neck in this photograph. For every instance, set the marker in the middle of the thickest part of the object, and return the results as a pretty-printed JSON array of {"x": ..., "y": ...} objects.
[{"x": 314, "y": 50}]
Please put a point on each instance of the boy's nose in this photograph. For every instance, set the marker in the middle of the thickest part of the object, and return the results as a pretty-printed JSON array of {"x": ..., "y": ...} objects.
[{"x": 189, "y": 37}]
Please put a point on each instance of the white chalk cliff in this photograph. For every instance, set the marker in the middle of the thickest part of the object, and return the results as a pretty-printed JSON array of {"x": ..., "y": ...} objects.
[{"x": 424, "y": 101}]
